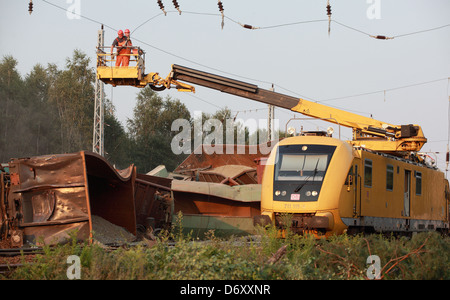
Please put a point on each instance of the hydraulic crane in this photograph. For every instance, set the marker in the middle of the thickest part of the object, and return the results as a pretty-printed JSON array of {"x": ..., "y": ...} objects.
[{"x": 368, "y": 133}]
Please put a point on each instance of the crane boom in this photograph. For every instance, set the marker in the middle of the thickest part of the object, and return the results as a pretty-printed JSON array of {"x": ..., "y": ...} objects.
[{"x": 367, "y": 132}]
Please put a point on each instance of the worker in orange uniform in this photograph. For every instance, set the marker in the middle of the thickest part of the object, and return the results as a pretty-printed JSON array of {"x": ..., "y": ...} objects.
[
  {"x": 121, "y": 42},
  {"x": 128, "y": 45}
]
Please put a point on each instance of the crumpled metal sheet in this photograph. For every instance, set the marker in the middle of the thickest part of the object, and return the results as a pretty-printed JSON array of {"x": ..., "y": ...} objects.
[
  {"x": 48, "y": 197},
  {"x": 244, "y": 155},
  {"x": 216, "y": 199},
  {"x": 153, "y": 201},
  {"x": 224, "y": 183}
]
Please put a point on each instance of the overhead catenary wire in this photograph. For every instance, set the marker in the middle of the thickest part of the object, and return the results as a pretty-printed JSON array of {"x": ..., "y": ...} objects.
[
  {"x": 80, "y": 15},
  {"x": 247, "y": 26},
  {"x": 157, "y": 48},
  {"x": 408, "y": 34},
  {"x": 384, "y": 90},
  {"x": 266, "y": 27}
]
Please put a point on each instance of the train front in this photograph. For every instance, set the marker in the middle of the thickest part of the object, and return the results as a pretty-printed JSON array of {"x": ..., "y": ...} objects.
[{"x": 302, "y": 183}]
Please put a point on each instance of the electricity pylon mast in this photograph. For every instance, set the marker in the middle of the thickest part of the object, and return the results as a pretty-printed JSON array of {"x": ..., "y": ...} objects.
[
  {"x": 270, "y": 118},
  {"x": 98, "y": 135}
]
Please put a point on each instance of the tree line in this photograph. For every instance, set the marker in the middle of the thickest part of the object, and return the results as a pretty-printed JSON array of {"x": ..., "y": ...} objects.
[{"x": 50, "y": 111}]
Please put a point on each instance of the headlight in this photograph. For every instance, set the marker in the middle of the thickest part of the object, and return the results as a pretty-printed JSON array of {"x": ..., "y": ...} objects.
[
  {"x": 314, "y": 193},
  {"x": 308, "y": 193},
  {"x": 277, "y": 193}
]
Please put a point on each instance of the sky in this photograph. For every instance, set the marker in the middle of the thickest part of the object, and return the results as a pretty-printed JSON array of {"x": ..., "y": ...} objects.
[{"x": 403, "y": 80}]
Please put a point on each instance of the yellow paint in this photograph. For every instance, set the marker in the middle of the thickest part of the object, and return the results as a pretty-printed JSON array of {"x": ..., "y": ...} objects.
[
  {"x": 134, "y": 75},
  {"x": 388, "y": 139}
]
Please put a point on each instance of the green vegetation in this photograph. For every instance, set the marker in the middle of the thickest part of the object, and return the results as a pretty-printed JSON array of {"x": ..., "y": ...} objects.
[
  {"x": 424, "y": 256},
  {"x": 52, "y": 111}
]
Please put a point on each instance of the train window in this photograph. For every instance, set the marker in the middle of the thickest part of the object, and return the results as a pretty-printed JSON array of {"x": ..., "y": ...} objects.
[
  {"x": 368, "y": 173},
  {"x": 418, "y": 176},
  {"x": 303, "y": 167},
  {"x": 300, "y": 170},
  {"x": 389, "y": 177}
]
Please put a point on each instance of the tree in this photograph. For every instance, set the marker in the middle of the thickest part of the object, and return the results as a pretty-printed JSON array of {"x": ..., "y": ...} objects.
[
  {"x": 12, "y": 108},
  {"x": 150, "y": 130},
  {"x": 51, "y": 110},
  {"x": 41, "y": 115},
  {"x": 72, "y": 93},
  {"x": 117, "y": 142}
]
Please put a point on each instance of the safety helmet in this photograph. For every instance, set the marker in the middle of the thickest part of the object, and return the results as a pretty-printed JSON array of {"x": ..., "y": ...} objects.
[
  {"x": 127, "y": 30},
  {"x": 120, "y": 32}
]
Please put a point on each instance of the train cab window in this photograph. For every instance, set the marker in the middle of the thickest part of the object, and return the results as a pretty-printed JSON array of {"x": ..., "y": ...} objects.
[
  {"x": 299, "y": 171},
  {"x": 302, "y": 167},
  {"x": 418, "y": 176},
  {"x": 389, "y": 177},
  {"x": 303, "y": 162},
  {"x": 368, "y": 173}
]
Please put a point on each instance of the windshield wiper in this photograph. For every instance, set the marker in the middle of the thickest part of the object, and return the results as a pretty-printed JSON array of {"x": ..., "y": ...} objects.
[{"x": 307, "y": 178}]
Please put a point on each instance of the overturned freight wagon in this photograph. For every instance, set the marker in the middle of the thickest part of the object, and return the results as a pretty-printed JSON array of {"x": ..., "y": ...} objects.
[
  {"x": 220, "y": 191},
  {"x": 49, "y": 199},
  {"x": 45, "y": 199}
]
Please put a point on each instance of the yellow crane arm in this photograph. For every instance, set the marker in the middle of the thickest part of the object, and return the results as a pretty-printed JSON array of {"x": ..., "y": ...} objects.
[
  {"x": 338, "y": 116},
  {"x": 367, "y": 132}
]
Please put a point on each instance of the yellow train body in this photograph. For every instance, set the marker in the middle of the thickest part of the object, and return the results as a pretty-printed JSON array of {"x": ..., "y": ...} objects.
[{"x": 328, "y": 187}]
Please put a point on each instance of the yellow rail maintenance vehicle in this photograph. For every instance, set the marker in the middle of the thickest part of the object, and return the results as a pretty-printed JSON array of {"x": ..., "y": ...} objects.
[
  {"x": 331, "y": 187},
  {"x": 376, "y": 182}
]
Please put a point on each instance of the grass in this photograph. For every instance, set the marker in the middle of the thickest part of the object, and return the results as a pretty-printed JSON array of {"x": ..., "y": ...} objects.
[{"x": 424, "y": 256}]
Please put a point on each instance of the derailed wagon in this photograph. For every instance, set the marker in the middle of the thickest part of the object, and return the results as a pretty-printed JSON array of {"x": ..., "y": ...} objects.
[
  {"x": 47, "y": 199},
  {"x": 52, "y": 199}
]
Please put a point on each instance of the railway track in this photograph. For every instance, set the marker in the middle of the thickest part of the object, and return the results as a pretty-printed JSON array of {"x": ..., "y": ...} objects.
[
  {"x": 6, "y": 269},
  {"x": 19, "y": 251},
  {"x": 11, "y": 259}
]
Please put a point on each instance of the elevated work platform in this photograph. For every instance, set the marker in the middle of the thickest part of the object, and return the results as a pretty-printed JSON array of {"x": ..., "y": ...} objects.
[{"x": 133, "y": 74}]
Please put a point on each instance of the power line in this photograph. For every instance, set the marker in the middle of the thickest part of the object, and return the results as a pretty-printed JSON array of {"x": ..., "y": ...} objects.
[
  {"x": 383, "y": 91},
  {"x": 266, "y": 27},
  {"x": 79, "y": 15},
  {"x": 421, "y": 31}
]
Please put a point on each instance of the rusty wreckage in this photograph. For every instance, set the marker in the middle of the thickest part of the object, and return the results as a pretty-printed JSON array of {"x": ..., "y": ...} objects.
[{"x": 48, "y": 199}]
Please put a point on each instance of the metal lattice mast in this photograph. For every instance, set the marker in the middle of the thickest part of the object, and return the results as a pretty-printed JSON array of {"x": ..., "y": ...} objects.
[
  {"x": 98, "y": 136},
  {"x": 270, "y": 118}
]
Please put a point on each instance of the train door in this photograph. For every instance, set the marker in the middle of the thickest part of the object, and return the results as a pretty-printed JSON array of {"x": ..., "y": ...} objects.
[{"x": 407, "y": 194}]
